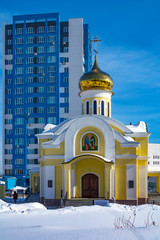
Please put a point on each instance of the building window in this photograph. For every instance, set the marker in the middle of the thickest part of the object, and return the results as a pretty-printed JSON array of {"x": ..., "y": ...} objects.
[
  {"x": 51, "y": 109},
  {"x": 8, "y": 72},
  {"x": 30, "y": 30},
  {"x": 52, "y": 120},
  {"x": 51, "y": 28},
  {"x": 40, "y": 99},
  {"x": 19, "y": 121},
  {"x": 8, "y": 111},
  {"x": 30, "y": 110},
  {"x": 65, "y": 40},
  {"x": 19, "y": 171},
  {"x": 19, "y": 141},
  {"x": 8, "y": 62},
  {"x": 51, "y": 89},
  {"x": 30, "y": 50},
  {"x": 102, "y": 107},
  {"x": 87, "y": 108},
  {"x": 19, "y": 161},
  {"x": 19, "y": 81},
  {"x": 50, "y": 183},
  {"x": 108, "y": 108},
  {"x": 66, "y": 100},
  {"x": 65, "y": 79},
  {"x": 8, "y": 171},
  {"x": 51, "y": 69},
  {"x": 66, "y": 110},
  {"x": 51, "y": 49},
  {"x": 8, "y": 161},
  {"x": 19, "y": 51},
  {"x": 41, "y": 120},
  {"x": 51, "y": 59},
  {"x": 9, "y": 42},
  {"x": 9, "y": 32},
  {"x": 41, "y": 60},
  {"x": 52, "y": 39},
  {"x": 30, "y": 60},
  {"x": 41, "y": 79},
  {"x": 40, "y": 49},
  {"x": 19, "y": 61},
  {"x": 30, "y": 79},
  {"x": 19, "y": 71},
  {"x": 19, "y": 30},
  {"x": 8, "y": 81},
  {"x": 40, "y": 110},
  {"x": 131, "y": 184},
  {"x": 8, "y": 101},
  {"x": 40, "y": 89},
  {"x": 156, "y": 157},
  {"x": 30, "y": 90},
  {"x": 41, "y": 39},
  {"x": 30, "y": 70},
  {"x": 19, "y": 41},
  {"x": 40, "y": 69},
  {"x": 66, "y": 49},
  {"x": 65, "y": 29},
  {"x": 66, "y": 89},
  {"x": 30, "y": 40},
  {"x": 94, "y": 107},
  {"x": 8, "y": 91},
  {"x": 40, "y": 29},
  {"x": 19, "y": 91},
  {"x": 8, "y": 121},
  {"x": 52, "y": 79},
  {"x": 66, "y": 69},
  {"x": 19, "y": 111},
  {"x": 19, "y": 131},
  {"x": 19, "y": 101},
  {"x": 51, "y": 100}
]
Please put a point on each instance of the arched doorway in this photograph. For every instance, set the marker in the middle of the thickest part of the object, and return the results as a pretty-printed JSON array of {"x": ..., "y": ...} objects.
[{"x": 89, "y": 186}]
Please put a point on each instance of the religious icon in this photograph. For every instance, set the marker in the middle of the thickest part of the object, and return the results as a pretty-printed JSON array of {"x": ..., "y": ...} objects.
[
  {"x": 86, "y": 142},
  {"x": 89, "y": 142}
]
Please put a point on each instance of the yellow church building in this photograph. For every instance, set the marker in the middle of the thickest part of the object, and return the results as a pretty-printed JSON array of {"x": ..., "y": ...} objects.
[{"x": 93, "y": 156}]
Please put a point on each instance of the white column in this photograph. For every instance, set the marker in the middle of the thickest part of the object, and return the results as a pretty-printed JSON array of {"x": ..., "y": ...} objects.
[
  {"x": 73, "y": 182},
  {"x": 49, "y": 192},
  {"x": 131, "y": 176}
]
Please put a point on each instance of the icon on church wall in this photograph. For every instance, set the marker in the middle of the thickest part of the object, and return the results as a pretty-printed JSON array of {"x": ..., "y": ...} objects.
[{"x": 89, "y": 142}]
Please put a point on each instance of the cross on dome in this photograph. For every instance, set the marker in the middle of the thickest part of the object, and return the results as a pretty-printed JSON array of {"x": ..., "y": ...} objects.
[{"x": 95, "y": 40}]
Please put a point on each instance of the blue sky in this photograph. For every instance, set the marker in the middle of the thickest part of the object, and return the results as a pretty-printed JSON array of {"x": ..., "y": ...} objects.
[{"x": 129, "y": 51}]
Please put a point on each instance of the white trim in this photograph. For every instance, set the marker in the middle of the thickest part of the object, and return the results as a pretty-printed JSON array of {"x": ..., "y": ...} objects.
[
  {"x": 130, "y": 144},
  {"x": 53, "y": 157},
  {"x": 95, "y": 93},
  {"x": 89, "y": 150},
  {"x": 140, "y": 134},
  {"x": 98, "y": 182},
  {"x": 132, "y": 156}
]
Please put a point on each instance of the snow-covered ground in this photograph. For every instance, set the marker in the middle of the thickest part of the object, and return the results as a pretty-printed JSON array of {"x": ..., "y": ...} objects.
[{"x": 116, "y": 222}]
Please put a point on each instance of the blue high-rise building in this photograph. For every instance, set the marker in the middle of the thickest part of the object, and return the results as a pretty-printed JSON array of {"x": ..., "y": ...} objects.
[{"x": 43, "y": 60}]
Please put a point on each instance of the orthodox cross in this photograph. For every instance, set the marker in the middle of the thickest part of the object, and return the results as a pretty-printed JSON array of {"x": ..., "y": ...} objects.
[{"x": 95, "y": 40}]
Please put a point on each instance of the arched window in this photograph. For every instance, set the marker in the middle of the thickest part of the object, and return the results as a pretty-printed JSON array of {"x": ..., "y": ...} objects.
[
  {"x": 94, "y": 107},
  {"x": 108, "y": 107},
  {"x": 82, "y": 109},
  {"x": 102, "y": 107},
  {"x": 87, "y": 107}
]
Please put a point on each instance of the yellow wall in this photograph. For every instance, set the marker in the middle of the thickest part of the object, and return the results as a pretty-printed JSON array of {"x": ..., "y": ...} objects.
[
  {"x": 120, "y": 182},
  {"x": 117, "y": 129},
  {"x": 143, "y": 145},
  {"x": 54, "y": 151},
  {"x": 89, "y": 165},
  {"x": 42, "y": 140},
  {"x": 78, "y": 146},
  {"x": 124, "y": 150}
]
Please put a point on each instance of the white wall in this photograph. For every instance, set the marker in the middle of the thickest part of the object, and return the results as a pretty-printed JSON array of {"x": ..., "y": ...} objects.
[
  {"x": 49, "y": 193},
  {"x": 131, "y": 176},
  {"x": 153, "y": 157}
]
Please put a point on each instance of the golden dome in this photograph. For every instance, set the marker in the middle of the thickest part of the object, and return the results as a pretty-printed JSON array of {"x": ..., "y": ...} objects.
[{"x": 96, "y": 79}]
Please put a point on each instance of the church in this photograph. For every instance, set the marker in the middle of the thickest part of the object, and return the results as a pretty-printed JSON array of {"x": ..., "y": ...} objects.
[{"x": 93, "y": 156}]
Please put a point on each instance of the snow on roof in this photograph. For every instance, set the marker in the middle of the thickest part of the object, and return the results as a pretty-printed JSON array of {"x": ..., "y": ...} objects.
[
  {"x": 139, "y": 127},
  {"x": 34, "y": 170},
  {"x": 2, "y": 183},
  {"x": 18, "y": 188},
  {"x": 48, "y": 127}
]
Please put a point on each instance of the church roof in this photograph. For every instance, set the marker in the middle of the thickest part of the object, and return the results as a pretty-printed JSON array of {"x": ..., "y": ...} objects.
[{"x": 57, "y": 133}]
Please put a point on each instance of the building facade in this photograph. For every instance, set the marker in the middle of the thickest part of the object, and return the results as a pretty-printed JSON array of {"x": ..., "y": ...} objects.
[
  {"x": 40, "y": 56},
  {"x": 92, "y": 155}
]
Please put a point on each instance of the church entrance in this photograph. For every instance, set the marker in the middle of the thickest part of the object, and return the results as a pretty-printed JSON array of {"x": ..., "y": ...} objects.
[{"x": 90, "y": 186}]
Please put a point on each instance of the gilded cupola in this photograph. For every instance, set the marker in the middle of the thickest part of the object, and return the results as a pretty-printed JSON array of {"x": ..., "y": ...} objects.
[{"x": 96, "y": 79}]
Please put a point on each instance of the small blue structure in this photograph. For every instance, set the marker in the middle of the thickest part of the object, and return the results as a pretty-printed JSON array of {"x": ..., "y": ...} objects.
[{"x": 10, "y": 182}]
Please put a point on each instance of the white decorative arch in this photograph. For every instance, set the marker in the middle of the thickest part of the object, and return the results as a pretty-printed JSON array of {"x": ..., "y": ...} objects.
[{"x": 89, "y": 121}]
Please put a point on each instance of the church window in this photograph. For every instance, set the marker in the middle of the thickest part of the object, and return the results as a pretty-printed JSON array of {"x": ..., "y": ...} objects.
[
  {"x": 87, "y": 107},
  {"x": 50, "y": 183},
  {"x": 131, "y": 184},
  {"x": 94, "y": 107},
  {"x": 102, "y": 107},
  {"x": 108, "y": 107},
  {"x": 82, "y": 109},
  {"x": 89, "y": 142}
]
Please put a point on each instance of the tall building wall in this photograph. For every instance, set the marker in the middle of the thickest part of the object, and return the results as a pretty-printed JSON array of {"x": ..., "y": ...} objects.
[{"x": 43, "y": 60}]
